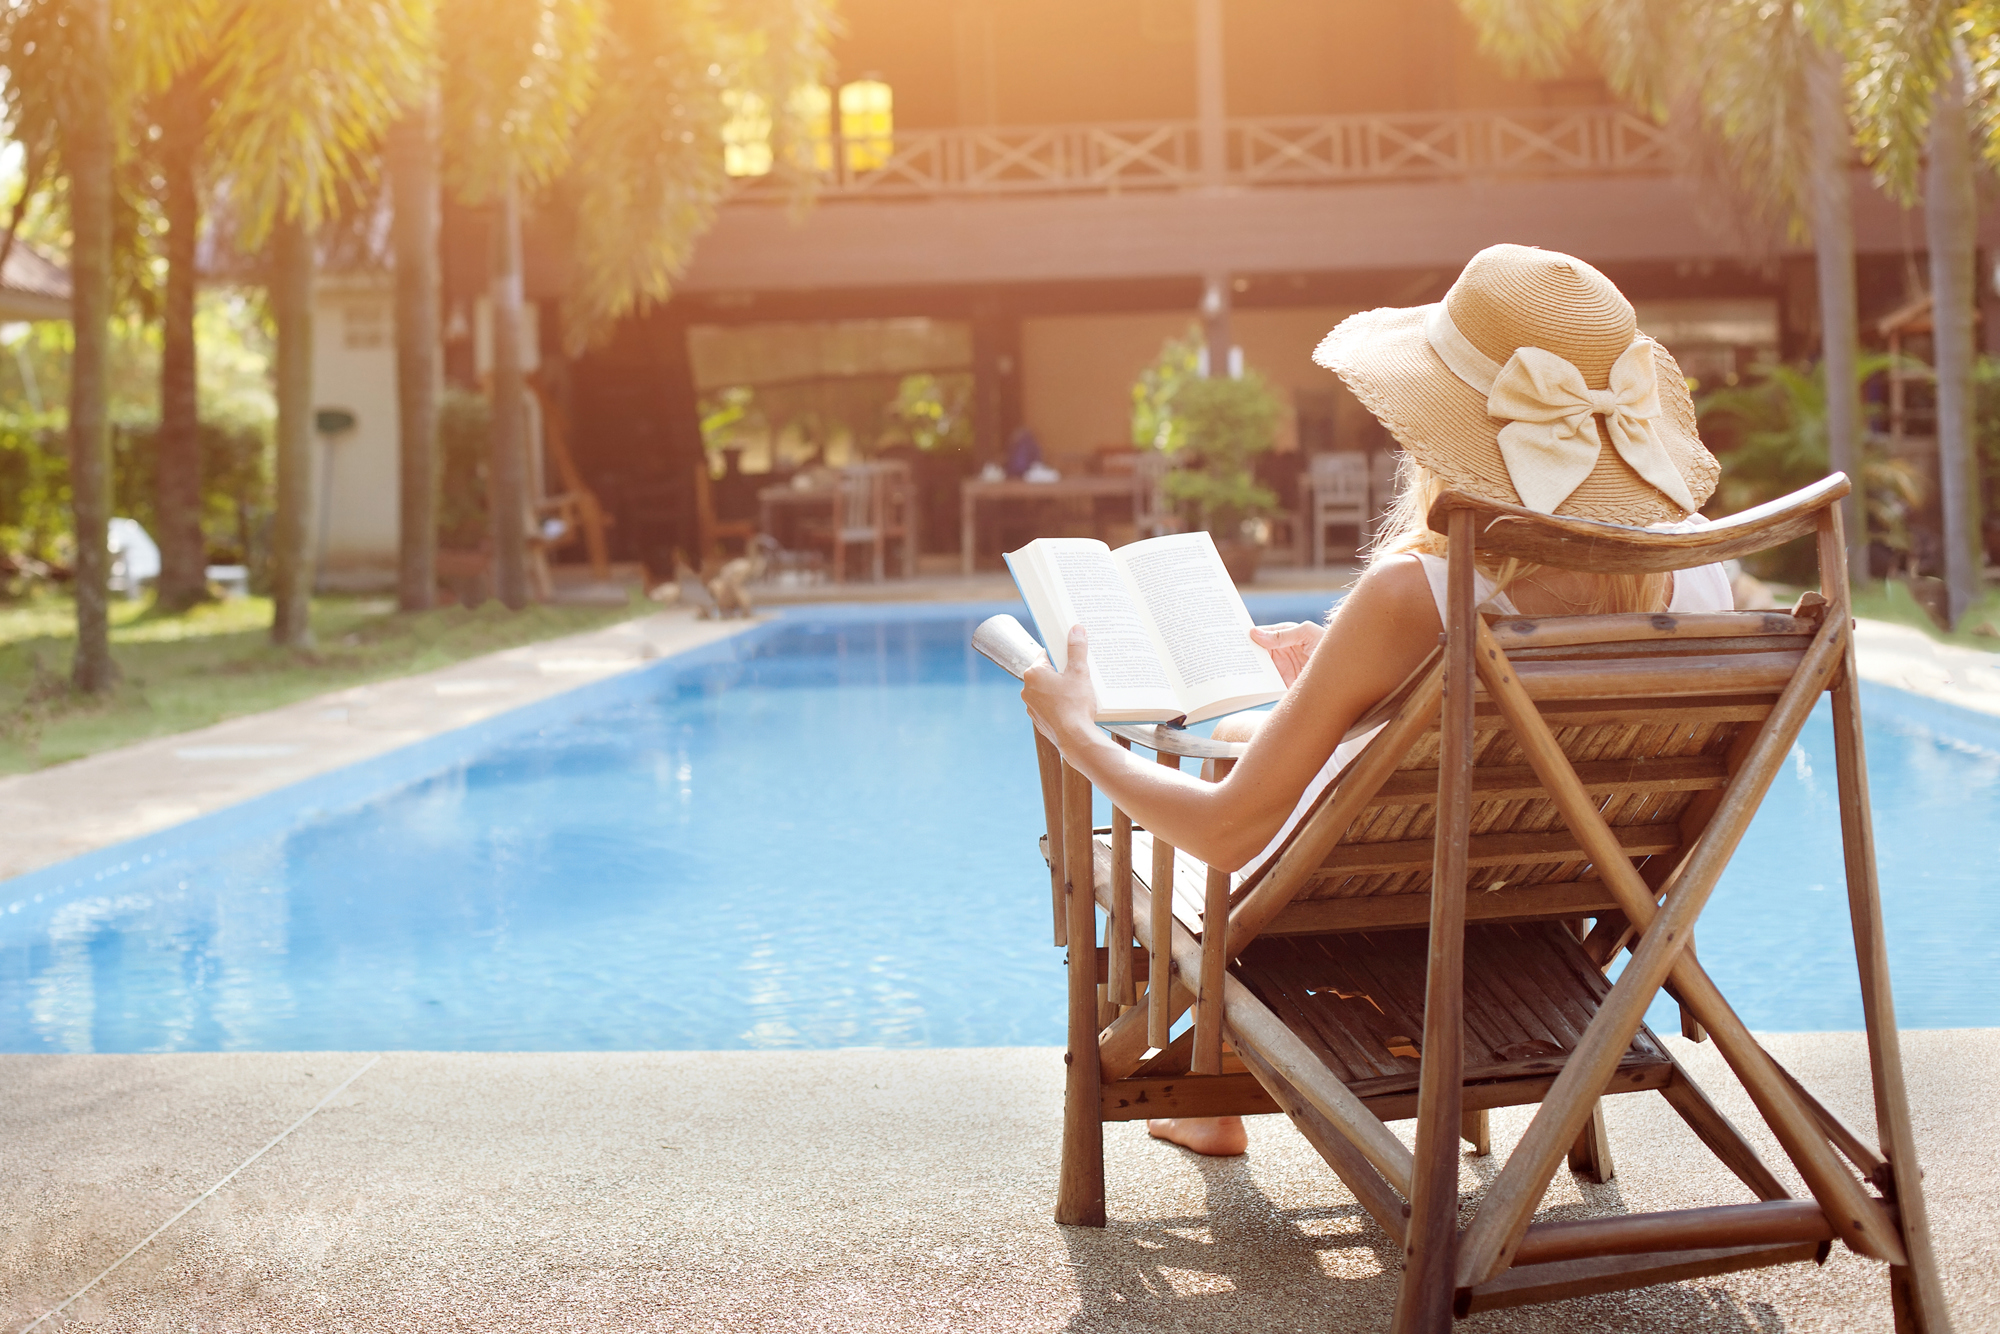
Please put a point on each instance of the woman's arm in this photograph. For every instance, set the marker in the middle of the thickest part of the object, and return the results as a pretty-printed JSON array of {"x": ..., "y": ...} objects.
[{"x": 1381, "y": 631}]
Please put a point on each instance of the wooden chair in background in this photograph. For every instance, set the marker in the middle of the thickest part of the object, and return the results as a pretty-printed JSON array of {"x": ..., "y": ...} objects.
[
  {"x": 1338, "y": 484},
  {"x": 710, "y": 531},
  {"x": 899, "y": 512},
  {"x": 857, "y": 519},
  {"x": 575, "y": 507},
  {"x": 1408, "y": 953}
]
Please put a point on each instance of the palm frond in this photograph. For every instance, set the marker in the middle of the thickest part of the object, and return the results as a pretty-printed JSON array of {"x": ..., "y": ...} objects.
[
  {"x": 518, "y": 75},
  {"x": 304, "y": 89}
]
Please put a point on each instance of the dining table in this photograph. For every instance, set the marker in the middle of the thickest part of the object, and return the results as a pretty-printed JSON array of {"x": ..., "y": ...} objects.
[{"x": 975, "y": 491}]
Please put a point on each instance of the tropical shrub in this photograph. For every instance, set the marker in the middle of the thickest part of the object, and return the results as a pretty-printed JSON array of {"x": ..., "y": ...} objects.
[
  {"x": 1223, "y": 424},
  {"x": 1770, "y": 435}
]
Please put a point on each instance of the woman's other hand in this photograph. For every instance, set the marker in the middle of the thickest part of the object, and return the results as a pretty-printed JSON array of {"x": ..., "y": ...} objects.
[
  {"x": 1289, "y": 645},
  {"x": 1062, "y": 703}
]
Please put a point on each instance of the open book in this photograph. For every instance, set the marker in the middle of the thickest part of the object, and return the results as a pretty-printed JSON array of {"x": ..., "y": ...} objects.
[{"x": 1169, "y": 634}]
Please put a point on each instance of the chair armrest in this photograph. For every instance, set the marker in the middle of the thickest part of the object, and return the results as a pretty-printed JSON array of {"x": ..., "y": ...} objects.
[
  {"x": 1616, "y": 548},
  {"x": 1004, "y": 640}
]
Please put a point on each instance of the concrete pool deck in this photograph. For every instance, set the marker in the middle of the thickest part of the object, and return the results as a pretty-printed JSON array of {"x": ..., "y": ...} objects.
[{"x": 877, "y": 1191}]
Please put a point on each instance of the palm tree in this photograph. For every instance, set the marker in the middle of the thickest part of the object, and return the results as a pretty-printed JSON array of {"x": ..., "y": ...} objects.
[
  {"x": 92, "y": 159},
  {"x": 611, "y": 111},
  {"x": 183, "y": 115},
  {"x": 305, "y": 89},
  {"x": 75, "y": 71},
  {"x": 1759, "y": 87},
  {"x": 516, "y": 77},
  {"x": 1911, "y": 91},
  {"x": 412, "y": 158},
  {"x": 640, "y": 194}
]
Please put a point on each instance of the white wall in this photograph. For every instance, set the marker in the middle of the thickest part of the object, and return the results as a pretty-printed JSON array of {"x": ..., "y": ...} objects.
[
  {"x": 354, "y": 367},
  {"x": 1077, "y": 370}
]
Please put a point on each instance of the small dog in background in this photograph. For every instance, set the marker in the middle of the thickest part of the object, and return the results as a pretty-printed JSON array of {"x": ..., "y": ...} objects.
[
  {"x": 725, "y": 595},
  {"x": 730, "y": 587}
]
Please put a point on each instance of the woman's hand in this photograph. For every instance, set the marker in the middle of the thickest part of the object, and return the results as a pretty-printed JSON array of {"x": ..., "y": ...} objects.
[
  {"x": 1063, "y": 702},
  {"x": 1289, "y": 645}
]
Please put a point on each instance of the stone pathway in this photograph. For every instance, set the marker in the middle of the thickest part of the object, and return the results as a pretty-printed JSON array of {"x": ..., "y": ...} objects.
[
  {"x": 1908, "y": 659},
  {"x": 830, "y": 1191}
]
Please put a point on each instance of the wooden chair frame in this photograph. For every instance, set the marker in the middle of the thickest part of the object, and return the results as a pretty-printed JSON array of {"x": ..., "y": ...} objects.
[{"x": 1764, "y": 672}]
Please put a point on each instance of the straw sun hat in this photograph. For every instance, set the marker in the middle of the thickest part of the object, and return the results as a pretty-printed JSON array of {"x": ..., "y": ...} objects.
[{"x": 1531, "y": 384}]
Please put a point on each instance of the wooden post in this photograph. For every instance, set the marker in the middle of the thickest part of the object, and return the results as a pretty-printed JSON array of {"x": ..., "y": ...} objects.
[
  {"x": 1160, "y": 974},
  {"x": 1080, "y": 1189},
  {"x": 1474, "y": 1128},
  {"x": 1424, "y": 1302},
  {"x": 1214, "y": 964},
  {"x": 1050, "y": 761},
  {"x": 1208, "y": 1004},
  {"x": 1915, "y": 1292},
  {"x": 1590, "y": 1156},
  {"x": 1119, "y": 986}
]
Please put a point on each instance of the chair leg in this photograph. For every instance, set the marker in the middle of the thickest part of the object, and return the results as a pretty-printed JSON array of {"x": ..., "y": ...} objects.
[
  {"x": 1915, "y": 1293},
  {"x": 1473, "y": 1129},
  {"x": 1590, "y": 1156},
  {"x": 1080, "y": 1185}
]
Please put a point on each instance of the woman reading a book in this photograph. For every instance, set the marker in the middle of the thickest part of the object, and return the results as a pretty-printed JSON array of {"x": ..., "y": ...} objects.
[{"x": 1529, "y": 384}]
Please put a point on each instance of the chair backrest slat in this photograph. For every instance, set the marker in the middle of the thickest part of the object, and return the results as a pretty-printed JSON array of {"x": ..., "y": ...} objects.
[{"x": 1612, "y": 548}]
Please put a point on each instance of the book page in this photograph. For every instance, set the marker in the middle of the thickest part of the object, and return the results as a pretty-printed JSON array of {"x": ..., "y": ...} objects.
[
  {"x": 1201, "y": 621},
  {"x": 1070, "y": 581},
  {"x": 1122, "y": 657}
]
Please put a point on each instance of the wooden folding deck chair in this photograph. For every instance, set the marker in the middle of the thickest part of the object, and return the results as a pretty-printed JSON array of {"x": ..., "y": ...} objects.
[{"x": 1417, "y": 946}]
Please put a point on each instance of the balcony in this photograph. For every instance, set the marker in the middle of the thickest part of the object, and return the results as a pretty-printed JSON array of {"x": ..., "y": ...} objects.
[{"x": 1152, "y": 156}]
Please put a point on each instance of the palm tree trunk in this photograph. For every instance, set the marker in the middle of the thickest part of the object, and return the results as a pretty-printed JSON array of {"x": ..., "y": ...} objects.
[
  {"x": 413, "y": 176},
  {"x": 508, "y": 470},
  {"x": 292, "y": 534},
  {"x": 1833, "y": 247},
  {"x": 91, "y": 160},
  {"x": 183, "y": 549},
  {"x": 1950, "y": 219}
]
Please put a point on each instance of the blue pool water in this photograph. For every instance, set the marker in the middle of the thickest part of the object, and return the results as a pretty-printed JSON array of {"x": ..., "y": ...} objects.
[{"x": 818, "y": 835}]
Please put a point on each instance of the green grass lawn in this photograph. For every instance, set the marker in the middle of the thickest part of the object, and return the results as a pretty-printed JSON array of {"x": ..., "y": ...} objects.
[{"x": 217, "y": 661}]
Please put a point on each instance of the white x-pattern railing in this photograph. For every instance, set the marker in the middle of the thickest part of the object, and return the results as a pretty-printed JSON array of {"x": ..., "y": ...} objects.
[{"x": 1264, "y": 151}]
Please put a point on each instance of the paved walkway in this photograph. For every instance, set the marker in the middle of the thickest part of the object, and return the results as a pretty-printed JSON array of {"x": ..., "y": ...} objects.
[
  {"x": 865, "y": 1191},
  {"x": 1907, "y": 658}
]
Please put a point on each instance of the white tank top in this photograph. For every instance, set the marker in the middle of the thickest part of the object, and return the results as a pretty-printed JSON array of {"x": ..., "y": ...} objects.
[{"x": 1704, "y": 588}]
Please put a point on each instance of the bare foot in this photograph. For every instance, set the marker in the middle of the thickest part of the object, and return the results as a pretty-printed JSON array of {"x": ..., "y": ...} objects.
[{"x": 1216, "y": 1136}]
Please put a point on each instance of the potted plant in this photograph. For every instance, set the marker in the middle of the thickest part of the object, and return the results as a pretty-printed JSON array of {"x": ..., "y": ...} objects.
[{"x": 1223, "y": 424}]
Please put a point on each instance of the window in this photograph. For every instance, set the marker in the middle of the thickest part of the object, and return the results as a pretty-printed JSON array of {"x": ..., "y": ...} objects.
[
  {"x": 746, "y": 135},
  {"x": 867, "y": 124},
  {"x": 814, "y": 105}
]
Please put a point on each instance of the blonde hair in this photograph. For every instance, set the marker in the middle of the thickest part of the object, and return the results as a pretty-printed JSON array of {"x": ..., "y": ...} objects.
[{"x": 1405, "y": 529}]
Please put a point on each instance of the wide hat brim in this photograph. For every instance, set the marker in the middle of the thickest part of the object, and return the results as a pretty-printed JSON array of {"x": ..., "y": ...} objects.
[{"x": 1385, "y": 358}]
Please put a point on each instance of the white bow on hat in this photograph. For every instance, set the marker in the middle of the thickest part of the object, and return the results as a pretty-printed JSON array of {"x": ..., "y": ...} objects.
[{"x": 1550, "y": 442}]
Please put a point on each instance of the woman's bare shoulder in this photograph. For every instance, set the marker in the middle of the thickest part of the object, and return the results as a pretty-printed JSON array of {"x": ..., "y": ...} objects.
[{"x": 1397, "y": 589}]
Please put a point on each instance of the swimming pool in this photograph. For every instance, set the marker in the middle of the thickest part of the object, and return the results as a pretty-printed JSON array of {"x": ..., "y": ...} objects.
[{"x": 819, "y": 834}]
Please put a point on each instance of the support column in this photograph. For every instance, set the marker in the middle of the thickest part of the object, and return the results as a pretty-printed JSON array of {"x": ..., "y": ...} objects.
[
  {"x": 996, "y": 381},
  {"x": 1210, "y": 105},
  {"x": 1216, "y": 340}
]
